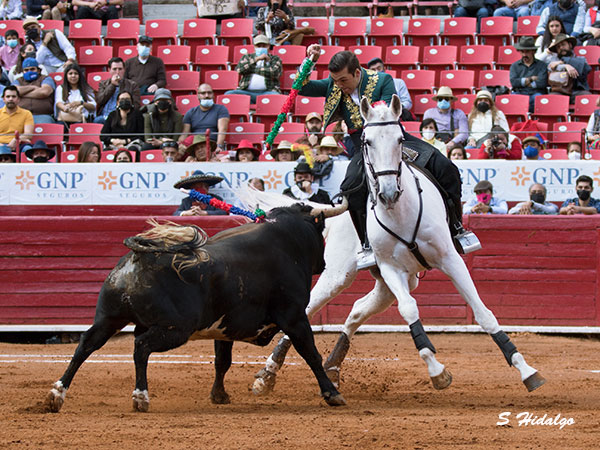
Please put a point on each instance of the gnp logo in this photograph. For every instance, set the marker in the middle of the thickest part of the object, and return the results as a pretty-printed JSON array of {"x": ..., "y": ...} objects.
[
  {"x": 520, "y": 176},
  {"x": 273, "y": 179},
  {"x": 107, "y": 180},
  {"x": 24, "y": 180},
  {"x": 131, "y": 180}
]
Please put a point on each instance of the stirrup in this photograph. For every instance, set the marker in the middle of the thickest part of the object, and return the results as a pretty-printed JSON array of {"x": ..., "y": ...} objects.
[
  {"x": 466, "y": 242},
  {"x": 366, "y": 259}
]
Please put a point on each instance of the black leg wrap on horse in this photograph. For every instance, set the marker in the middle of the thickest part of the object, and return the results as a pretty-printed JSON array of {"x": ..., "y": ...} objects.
[
  {"x": 339, "y": 352},
  {"x": 281, "y": 350},
  {"x": 505, "y": 344},
  {"x": 420, "y": 337}
]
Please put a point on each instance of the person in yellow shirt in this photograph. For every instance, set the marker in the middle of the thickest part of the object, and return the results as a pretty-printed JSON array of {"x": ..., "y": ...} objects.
[{"x": 13, "y": 119}]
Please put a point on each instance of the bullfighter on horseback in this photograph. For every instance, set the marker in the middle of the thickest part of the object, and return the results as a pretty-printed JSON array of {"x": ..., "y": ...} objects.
[{"x": 343, "y": 90}]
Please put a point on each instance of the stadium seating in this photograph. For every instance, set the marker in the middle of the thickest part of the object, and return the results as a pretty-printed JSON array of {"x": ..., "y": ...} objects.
[
  {"x": 254, "y": 132},
  {"x": 438, "y": 58},
  {"x": 514, "y": 106},
  {"x": 94, "y": 58},
  {"x": 306, "y": 105},
  {"x": 57, "y": 77},
  {"x": 236, "y": 32},
  {"x": 49, "y": 24},
  {"x": 401, "y": 58},
  {"x": 69, "y": 156},
  {"x": 365, "y": 53},
  {"x": 421, "y": 103},
  {"x": 321, "y": 27},
  {"x": 175, "y": 57},
  {"x": 422, "y": 32},
  {"x": 221, "y": 80},
  {"x": 267, "y": 108},
  {"x": 476, "y": 57},
  {"x": 493, "y": 78},
  {"x": 412, "y": 127},
  {"x": 151, "y": 156},
  {"x": 289, "y": 76},
  {"x": 186, "y": 102},
  {"x": 238, "y": 106},
  {"x": 108, "y": 156},
  {"x": 554, "y": 153},
  {"x": 505, "y": 56},
  {"x": 419, "y": 81},
  {"x": 126, "y": 51},
  {"x": 349, "y": 31},
  {"x": 181, "y": 82},
  {"x": 199, "y": 32},
  {"x": 16, "y": 25},
  {"x": 52, "y": 134},
  {"x": 289, "y": 131},
  {"x": 385, "y": 32},
  {"x": 459, "y": 31},
  {"x": 291, "y": 55},
  {"x": 85, "y": 32},
  {"x": 94, "y": 78},
  {"x": 551, "y": 108},
  {"x": 565, "y": 132},
  {"x": 327, "y": 51},
  {"x": 211, "y": 57},
  {"x": 162, "y": 32},
  {"x": 591, "y": 53},
  {"x": 496, "y": 31},
  {"x": 526, "y": 26},
  {"x": 584, "y": 107},
  {"x": 121, "y": 32},
  {"x": 460, "y": 81},
  {"x": 464, "y": 103},
  {"x": 82, "y": 132}
]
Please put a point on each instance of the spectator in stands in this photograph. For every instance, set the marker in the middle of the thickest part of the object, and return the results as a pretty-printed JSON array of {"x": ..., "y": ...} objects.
[
  {"x": 11, "y": 9},
  {"x": 499, "y": 145},
  {"x": 246, "y": 152},
  {"x": 537, "y": 6},
  {"x": 574, "y": 151},
  {"x": 124, "y": 125},
  {"x": 208, "y": 115},
  {"x": 575, "y": 66},
  {"x": 554, "y": 28},
  {"x": 528, "y": 76},
  {"x": 593, "y": 128},
  {"x": 103, "y": 10},
  {"x": 47, "y": 9},
  {"x": 536, "y": 204},
  {"x": 13, "y": 118},
  {"x": 483, "y": 116},
  {"x": 480, "y": 10},
  {"x": 196, "y": 152},
  {"x": 313, "y": 130},
  {"x": 484, "y": 201},
  {"x": 572, "y": 13},
  {"x": 74, "y": 100},
  {"x": 6, "y": 154},
  {"x": 89, "y": 152},
  {"x": 531, "y": 148},
  {"x": 584, "y": 203},
  {"x": 513, "y": 8},
  {"x": 162, "y": 122},
  {"x": 330, "y": 150},
  {"x": 123, "y": 156},
  {"x": 401, "y": 89},
  {"x": 458, "y": 152},
  {"x": 202, "y": 183},
  {"x": 54, "y": 51},
  {"x": 109, "y": 89},
  {"x": 146, "y": 70},
  {"x": 283, "y": 152},
  {"x": 257, "y": 183},
  {"x": 451, "y": 123},
  {"x": 273, "y": 19},
  {"x": 304, "y": 187},
  {"x": 40, "y": 152},
  {"x": 169, "y": 151},
  {"x": 259, "y": 71},
  {"x": 429, "y": 129},
  {"x": 591, "y": 27},
  {"x": 37, "y": 92},
  {"x": 25, "y": 51},
  {"x": 9, "y": 51}
]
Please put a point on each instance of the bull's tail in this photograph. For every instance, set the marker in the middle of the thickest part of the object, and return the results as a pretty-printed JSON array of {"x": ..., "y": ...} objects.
[{"x": 168, "y": 237}]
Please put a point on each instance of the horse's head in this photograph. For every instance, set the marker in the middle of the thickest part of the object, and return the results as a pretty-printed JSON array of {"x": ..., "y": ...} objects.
[{"x": 382, "y": 147}]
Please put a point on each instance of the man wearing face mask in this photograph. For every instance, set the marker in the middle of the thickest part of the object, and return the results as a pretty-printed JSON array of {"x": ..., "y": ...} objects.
[
  {"x": 537, "y": 204},
  {"x": 259, "y": 71},
  {"x": 531, "y": 148},
  {"x": 146, "y": 70},
  {"x": 40, "y": 153},
  {"x": 576, "y": 67},
  {"x": 9, "y": 52},
  {"x": 36, "y": 91},
  {"x": 452, "y": 123},
  {"x": 305, "y": 187},
  {"x": 207, "y": 115},
  {"x": 103, "y": 10},
  {"x": 571, "y": 12},
  {"x": 484, "y": 201},
  {"x": 574, "y": 151},
  {"x": 54, "y": 51},
  {"x": 583, "y": 203},
  {"x": 109, "y": 89},
  {"x": 161, "y": 123}
]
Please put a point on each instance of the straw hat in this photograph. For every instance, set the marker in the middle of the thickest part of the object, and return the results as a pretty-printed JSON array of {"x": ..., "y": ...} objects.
[
  {"x": 283, "y": 145},
  {"x": 200, "y": 139},
  {"x": 484, "y": 94},
  {"x": 197, "y": 177},
  {"x": 330, "y": 142},
  {"x": 445, "y": 92}
]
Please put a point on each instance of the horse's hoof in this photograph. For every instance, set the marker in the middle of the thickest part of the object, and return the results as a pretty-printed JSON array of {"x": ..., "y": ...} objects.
[
  {"x": 264, "y": 383},
  {"x": 221, "y": 398},
  {"x": 443, "y": 380},
  {"x": 333, "y": 373},
  {"x": 56, "y": 397},
  {"x": 534, "y": 381},
  {"x": 334, "y": 400},
  {"x": 141, "y": 400}
]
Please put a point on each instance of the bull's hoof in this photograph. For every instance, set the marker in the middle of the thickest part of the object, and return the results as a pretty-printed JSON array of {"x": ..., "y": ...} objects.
[
  {"x": 534, "y": 381},
  {"x": 334, "y": 400},
  {"x": 333, "y": 373},
  {"x": 56, "y": 397},
  {"x": 220, "y": 398},
  {"x": 264, "y": 383},
  {"x": 141, "y": 400},
  {"x": 443, "y": 380}
]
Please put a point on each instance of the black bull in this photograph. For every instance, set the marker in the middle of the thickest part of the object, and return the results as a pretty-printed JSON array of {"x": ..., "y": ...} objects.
[{"x": 244, "y": 284}]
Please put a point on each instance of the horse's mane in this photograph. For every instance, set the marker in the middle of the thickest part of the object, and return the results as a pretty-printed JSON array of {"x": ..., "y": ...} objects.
[{"x": 168, "y": 237}]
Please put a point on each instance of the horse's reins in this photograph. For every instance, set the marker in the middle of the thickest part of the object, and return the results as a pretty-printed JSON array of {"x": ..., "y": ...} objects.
[{"x": 412, "y": 246}]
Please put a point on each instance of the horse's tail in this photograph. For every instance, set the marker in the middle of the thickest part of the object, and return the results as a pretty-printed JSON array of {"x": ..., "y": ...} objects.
[{"x": 168, "y": 237}]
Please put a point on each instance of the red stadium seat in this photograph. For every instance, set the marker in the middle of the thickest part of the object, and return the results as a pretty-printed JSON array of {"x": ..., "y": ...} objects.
[
  {"x": 85, "y": 32},
  {"x": 464, "y": 103},
  {"x": 238, "y": 106},
  {"x": 365, "y": 53},
  {"x": 94, "y": 78},
  {"x": 82, "y": 132},
  {"x": 268, "y": 108},
  {"x": 386, "y": 32},
  {"x": 526, "y": 26},
  {"x": 289, "y": 131},
  {"x": 476, "y": 57},
  {"x": 211, "y": 57},
  {"x": 306, "y": 105},
  {"x": 321, "y": 27},
  {"x": 438, "y": 58},
  {"x": 584, "y": 107},
  {"x": 506, "y": 56},
  {"x": 49, "y": 24},
  {"x": 565, "y": 132},
  {"x": 162, "y": 32},
  {"x": 412, "y": 127},
  {"x": 349, "y": 31},
  {"x": 16, "y": 25},
  {"x": 327, "y": 51},
  {"x": 221, "y": 80},
  {"x": 198, "y": 32},
  {"x": 419, "y": 81},
  {"x": 422, "y": 32},
  {"x": 175, "y": 57},
  {"x": 551, "y": 108},
  {"x": 496, "y": 31},
  {"x": 254, "y": 132},
  {"x": 58, "y": 77},
  {"x": 554, "y": 153},
  {"x": 182, "y": 82},
  {"x": 108, "y": 156},
  {"x": 238, "y": 52},
  {"x": 591, "y": 53},
  {"x": 402, "y": 58},
  {"x": 186, "y": 102},
  {"x": 494, "y": 78},
  {"x": 151, "y": 156},
  {"x": 127, "y": 51},
  {"x": 459, "y": 31},
  {"x": 94, "y": 58},
  {"x": 53, "y": 134},
  {"x": 236, "y": 32},
  {"x": 291, "y": 55},
  {"x": 69, "y": 156},
  {"x": 421, "y": 103},
  {"x": 460, "y": 81},
  {"x": 514, "y": 106},
  {"x": 121, "y": 32}
]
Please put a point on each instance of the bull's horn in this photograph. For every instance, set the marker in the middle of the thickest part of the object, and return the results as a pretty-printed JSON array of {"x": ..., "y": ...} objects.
[{"x": 331, "y": 212}]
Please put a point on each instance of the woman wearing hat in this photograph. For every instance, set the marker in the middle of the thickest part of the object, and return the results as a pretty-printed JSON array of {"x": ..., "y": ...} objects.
[
  {"x": 452, "y": 123},
  {"x": 161, "y": 123},
  {"x": 196, "y": 151},
  {"x": 283, "y": 152},
  {"x": 200, "y": 182},
  {"x": 246, "y": 152},
  {"x": 483, "y": 117}
]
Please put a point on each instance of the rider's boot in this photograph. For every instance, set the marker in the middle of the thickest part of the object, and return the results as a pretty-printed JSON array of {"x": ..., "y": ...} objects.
[
  {"x": 465, "y": 241},
  {"x": 366, "y": 257}
]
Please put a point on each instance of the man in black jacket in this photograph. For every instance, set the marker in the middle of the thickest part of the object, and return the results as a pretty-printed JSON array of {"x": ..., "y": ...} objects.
[{"x": 305, "y": 187}]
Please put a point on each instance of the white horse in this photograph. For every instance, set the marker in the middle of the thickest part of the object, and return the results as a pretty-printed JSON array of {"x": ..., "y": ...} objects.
[{"x": 406, "y": 203}]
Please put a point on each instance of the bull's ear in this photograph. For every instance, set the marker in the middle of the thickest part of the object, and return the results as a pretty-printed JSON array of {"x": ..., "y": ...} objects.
[
  {"x": 365, "y": 108},
  {"x": 396, "y": 106}
]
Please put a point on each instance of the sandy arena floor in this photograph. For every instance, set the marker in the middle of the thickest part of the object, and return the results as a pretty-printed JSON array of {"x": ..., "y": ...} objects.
[{"x": 391, "y": 403}]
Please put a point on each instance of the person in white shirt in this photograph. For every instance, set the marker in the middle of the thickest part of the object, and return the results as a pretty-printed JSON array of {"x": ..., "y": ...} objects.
[
  {"x": 53, "y": 50},
  {"x": 483, "y": 117}
]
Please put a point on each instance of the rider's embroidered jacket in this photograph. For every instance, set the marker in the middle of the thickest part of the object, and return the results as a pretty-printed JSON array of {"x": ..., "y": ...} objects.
[{"x": 375, "y": 86}]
